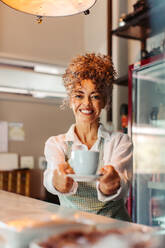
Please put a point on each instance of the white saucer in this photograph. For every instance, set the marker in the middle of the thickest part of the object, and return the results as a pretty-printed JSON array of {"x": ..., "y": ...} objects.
[{"x": 84, "y": 178}]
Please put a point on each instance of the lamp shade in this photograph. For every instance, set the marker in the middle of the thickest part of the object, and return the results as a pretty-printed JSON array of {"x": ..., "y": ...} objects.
[{"x": 50, "y": 7}]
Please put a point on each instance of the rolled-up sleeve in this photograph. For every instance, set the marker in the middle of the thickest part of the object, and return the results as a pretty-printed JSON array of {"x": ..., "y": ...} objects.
[
  {"x": 54, "y": 154},
  {"x": 119, "y": 154}
]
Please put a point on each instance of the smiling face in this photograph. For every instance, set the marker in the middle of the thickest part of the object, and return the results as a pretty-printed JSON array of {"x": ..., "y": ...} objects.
[{"x": 86, "y": 102}]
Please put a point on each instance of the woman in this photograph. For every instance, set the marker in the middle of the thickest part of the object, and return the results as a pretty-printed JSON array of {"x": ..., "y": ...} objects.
[{"x": 88, "y": 81}]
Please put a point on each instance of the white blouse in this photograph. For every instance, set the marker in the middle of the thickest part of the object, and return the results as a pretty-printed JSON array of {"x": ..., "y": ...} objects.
[{"x": 117, "y": 152}]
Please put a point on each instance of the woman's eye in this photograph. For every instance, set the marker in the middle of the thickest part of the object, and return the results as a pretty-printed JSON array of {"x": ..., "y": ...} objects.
[
  {"x": 78, "y": 96},
  {"x": 97, "y": 97}
]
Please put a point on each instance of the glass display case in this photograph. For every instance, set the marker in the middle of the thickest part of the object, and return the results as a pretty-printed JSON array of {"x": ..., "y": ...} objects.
[{"x": 147, "y": 128}]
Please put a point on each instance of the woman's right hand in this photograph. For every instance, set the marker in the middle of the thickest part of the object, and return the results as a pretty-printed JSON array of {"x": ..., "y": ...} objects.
[{"x": 61, "y": 181}]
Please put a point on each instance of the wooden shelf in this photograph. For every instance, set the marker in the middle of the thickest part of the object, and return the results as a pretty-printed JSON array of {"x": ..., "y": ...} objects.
[
  {"x": 144, "y": 25},
  {"x": 123, "y": 81}
]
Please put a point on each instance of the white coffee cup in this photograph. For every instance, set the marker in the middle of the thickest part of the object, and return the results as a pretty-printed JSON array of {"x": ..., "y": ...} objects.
[{"x": 84, "y": 162}]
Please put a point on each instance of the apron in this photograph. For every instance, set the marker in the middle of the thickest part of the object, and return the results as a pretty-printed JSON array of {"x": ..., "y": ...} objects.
[{"x": 86, "y": 198}]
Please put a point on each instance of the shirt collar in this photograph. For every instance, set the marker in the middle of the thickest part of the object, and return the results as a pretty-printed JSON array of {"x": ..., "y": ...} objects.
[
  {"x": 103, "y": 133},
  {"x": 71, "y": 136}
]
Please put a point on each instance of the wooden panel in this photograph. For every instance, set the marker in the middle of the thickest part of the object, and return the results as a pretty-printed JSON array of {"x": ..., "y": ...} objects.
[{"x": 16, "y": 181}]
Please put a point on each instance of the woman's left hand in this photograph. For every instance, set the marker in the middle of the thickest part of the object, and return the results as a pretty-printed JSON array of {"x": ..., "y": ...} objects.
[{"x": 110, "y": 181}]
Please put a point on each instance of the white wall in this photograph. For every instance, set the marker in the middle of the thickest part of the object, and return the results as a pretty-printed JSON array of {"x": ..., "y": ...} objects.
[
  {"x": 120, "y": 59},
  {"x": 41, "y": 119},
  {"x": 95, "y": 28}
]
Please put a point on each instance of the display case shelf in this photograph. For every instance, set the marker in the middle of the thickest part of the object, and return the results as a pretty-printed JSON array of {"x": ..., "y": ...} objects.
[
  {"x": 156, "y": 185},
  {"x": 144, "y": 24}
]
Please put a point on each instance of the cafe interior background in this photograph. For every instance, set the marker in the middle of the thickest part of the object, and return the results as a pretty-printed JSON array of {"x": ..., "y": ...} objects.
[{"x": 34, "y": 55}]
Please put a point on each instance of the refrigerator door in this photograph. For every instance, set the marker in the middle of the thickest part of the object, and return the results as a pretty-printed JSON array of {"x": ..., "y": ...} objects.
[{"x": 148, "y": 134}]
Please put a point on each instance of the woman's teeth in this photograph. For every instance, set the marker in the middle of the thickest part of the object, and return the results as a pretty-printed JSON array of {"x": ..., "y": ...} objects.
[{"x": 87, "y": 111}]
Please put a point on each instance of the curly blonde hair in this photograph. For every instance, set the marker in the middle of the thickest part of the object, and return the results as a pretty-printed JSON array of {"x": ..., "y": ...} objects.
[{"x": 99, "y": 68}]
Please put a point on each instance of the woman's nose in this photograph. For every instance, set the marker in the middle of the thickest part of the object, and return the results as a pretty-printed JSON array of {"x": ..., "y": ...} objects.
[{"x": 87, "y": 101}]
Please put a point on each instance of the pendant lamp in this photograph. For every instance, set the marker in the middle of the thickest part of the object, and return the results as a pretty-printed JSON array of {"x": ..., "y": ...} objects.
[{"x": 51, "y": 8}]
